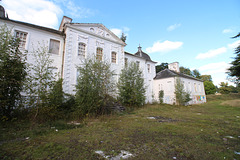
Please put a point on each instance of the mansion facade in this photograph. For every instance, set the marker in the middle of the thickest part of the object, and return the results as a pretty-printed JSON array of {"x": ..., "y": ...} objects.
[{"x": 72, "y": 43}]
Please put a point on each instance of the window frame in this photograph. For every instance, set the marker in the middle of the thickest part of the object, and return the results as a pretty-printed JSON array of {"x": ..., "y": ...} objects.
[
  {"x": 99, "y": 53},
  {"x": 114, "y": 58},
  {"x": 22, "y": 42},
  {"x": 51, "y": 48},
  {"x": 82, "y": 50}
]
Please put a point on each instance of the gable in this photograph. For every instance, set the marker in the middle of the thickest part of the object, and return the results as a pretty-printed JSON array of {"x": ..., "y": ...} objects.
[{"x": 98, "y": 30}]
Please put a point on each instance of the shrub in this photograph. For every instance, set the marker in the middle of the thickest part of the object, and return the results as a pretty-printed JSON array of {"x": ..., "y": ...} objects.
[
  {"x": 93, "y": 87},
  {"x": 131, "y": 86}
]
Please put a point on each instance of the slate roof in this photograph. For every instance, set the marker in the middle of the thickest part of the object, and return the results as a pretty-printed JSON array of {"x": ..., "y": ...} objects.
[
  {"x": 34, "y": 26},
  {"x": 166, "y": 73},
  {"x": 141, "y": 54}
]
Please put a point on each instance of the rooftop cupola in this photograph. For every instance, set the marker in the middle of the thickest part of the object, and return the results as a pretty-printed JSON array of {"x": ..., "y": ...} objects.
[{"x": 140, "y": 50}]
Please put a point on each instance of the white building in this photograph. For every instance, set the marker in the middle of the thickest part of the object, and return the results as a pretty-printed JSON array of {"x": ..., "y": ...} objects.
[
  {"x": 148, "y": 68},
  {"x": 166, "y": 79},
  {"x": 73, "y": 43}
]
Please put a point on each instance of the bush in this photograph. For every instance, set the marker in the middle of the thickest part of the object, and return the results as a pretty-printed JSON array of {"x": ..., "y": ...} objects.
[
  {"x": 182, "y": 97},
  {"x": 12, "y": 73},
  {"x": 131, "y": 86},
  {"x": 160, "y": 96},
  {"x": 94, "y": 86}
]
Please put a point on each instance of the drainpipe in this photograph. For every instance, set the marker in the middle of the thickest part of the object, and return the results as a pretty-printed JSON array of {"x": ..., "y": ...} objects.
[{"x": 64, "y": 43}]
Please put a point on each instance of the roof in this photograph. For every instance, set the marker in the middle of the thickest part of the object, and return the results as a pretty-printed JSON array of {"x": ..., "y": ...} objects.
[
  {"x": 141, "y": 54},
  {"x": 167, "y": 73},
  {"x": 34, "y": 26}
]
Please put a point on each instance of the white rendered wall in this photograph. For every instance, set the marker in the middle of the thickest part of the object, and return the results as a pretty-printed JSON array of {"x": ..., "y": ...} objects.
[
  {"x": 148, "y": 76},
  {"x": 72, "y": 60},
  {"x": 37, "y": 38},
  {"x": 194, "y": 87}
]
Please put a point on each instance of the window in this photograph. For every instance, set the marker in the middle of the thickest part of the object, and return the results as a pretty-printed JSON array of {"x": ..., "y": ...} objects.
[
  {"x": 148, "y": 68},
  {"x": 114, "y": 57},
  {"x": 126, "y": 62},
  {"x": 138, "y": 64},
  {"x": 54, "y": 46},
  {"x": 195, "y": 87},
  {"x": 22, "y": 36},
  {"x": 81, "y": 49},
  {"x": 99, "y": 53}
]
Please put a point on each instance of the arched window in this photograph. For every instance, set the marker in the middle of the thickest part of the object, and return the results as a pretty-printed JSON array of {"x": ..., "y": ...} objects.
[
  {"x": 114, "y": 57},
  {"x": 81, "y": 49},
  {"x": 99, "y": 53}
]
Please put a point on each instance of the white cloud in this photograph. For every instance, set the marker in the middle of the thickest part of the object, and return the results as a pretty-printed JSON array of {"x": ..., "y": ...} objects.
[
  {"x": 211, "y": 53},
  {"x": 118, "y": 32},
  {"x": 216, "y": 70},
  {"x": 76, "y": 11},
  {"x": 227, "y": 31},
  {"x": 213, "y": 68},
  {"x": 173, "y": 27},
  {"x": 40, "y": 12},
  {"x": 165, "y": 46},
  {"x": 234, "y": 44}
]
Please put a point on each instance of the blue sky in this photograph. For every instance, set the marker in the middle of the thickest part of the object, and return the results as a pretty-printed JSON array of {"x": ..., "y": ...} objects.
[{"x": 196, "y": 33}]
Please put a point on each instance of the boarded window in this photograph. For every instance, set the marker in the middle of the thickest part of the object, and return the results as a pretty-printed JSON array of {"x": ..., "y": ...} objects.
[
  {"x": 126, "y": 62},
  {"x": 22, "y": 36},
  {"x": 81, "y": 49},
  {"x": 114, "y": 57},
  {"x": 138, "y": 64},
  {"x": 148, "y": 68},
  {"x": 99, "y": 53},
  {"x": 54, "y": 46}
]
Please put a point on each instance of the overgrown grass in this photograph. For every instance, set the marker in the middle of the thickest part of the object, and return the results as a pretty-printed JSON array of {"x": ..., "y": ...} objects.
[{"x": 207, "y": 131}]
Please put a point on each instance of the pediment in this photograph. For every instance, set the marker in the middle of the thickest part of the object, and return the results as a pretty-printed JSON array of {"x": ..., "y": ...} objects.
[{"x": 97, "y": 30}]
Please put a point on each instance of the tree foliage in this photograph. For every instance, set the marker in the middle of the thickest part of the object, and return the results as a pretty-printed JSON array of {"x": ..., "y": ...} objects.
[
  {"x": 209, "y": 87},
  {"x": 40, "y": 80},
  {"x": 12, "y": 72},
  {"x": 234, "y": 70},
  {"x": 161, "y": 67},
  {"x": 185, "y": 70},
  {"x": 123, "y": 37},
  {"x": 160, "y": 96},
  {"x": 94, "y": 86},
  {"x": 182, "y": 97},
  {"x": 206, "y": 78},
  {"x": 131, "y": 86}
]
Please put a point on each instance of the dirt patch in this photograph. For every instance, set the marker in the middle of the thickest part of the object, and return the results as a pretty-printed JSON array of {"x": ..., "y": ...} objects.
[
  {"x": 233, "y": 103},
  {"x": 162, "y": 119}
]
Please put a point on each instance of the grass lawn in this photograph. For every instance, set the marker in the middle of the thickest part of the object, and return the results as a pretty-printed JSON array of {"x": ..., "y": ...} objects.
[{"x": 203, "y": 132}]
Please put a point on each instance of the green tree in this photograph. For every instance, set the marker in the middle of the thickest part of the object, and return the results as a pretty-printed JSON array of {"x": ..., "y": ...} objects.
[
  {"x": 206, "y": 78},
  {"x": 131, "y": 86},
  {"x": 234, "y": 70},
  {"x": 196, "y": 73},
  {"x": 123, "y": 37},
  {"x": 182, "y": 97},
  {"x": 224, "y": 88},
  {"x": 160, "y": 96},
  {"x": 185, "y": 71},
  {"x": 209, "y": 87},
  {"x": 161, "y": 67},
  {"x": 12, "y": 72},
  {"x": 94, "y": 87},
  {"x": 40, "y": 80}
]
